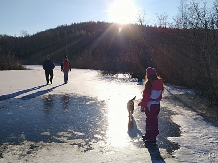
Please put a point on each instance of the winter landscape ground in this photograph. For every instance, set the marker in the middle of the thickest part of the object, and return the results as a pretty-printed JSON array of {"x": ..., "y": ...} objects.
[{"x": 86, "y": 120}]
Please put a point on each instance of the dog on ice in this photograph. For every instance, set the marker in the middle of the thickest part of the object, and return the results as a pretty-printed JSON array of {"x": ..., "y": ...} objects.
[{"x": 130, "y": 107}]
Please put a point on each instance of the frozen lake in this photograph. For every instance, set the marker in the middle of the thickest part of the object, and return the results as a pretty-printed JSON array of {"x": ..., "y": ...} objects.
[{"x": 86, "y": 117}]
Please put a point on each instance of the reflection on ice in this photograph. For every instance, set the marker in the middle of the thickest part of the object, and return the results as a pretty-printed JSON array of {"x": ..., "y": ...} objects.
[
  {"x": 117, "y": 128},
  {"x": 118, "y": 96}
]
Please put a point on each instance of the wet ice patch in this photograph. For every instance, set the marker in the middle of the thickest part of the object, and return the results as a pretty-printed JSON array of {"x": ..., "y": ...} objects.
[{"x": 49, "y": 117}]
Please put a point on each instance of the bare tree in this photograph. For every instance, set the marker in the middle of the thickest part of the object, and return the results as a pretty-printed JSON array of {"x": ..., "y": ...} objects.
[
  {"x": 24, "y": 33},
  {"x": 181, "y": 20},
  {"x": 162, "y": 20},
  {"x": 215, "y": 15},
  {"x": 199, "y": 15},
  {"x": 142, "y": 41},
  {"x": 202, "y": 20},
  {"x": 141, "y": 17}
]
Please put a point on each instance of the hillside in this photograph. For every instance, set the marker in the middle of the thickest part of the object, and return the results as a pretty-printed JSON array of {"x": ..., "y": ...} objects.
[{"x": 185, "y": 57}]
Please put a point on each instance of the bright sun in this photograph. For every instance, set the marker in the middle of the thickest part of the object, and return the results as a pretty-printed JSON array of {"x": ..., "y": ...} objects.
[{"x": 123, "y": 12}]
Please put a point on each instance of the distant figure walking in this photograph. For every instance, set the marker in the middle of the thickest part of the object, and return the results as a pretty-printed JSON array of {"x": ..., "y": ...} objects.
[
  {"x": 150, "y": 104},
  {"x": 48, "y": 66},
  {"x": 65, "y": 67}
]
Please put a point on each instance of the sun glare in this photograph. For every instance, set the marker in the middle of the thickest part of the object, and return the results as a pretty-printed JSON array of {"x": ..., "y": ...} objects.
[{"x": 122, "y": 11}]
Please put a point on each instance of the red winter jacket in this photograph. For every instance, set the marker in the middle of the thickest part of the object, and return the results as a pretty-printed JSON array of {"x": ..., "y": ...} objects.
[
  {"x": 65, "y": 65},
  {"x": 152, "y": 96}
]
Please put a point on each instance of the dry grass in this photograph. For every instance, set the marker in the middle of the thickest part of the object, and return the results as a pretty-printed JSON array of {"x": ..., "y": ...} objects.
[{"x": 8, "y": 62}]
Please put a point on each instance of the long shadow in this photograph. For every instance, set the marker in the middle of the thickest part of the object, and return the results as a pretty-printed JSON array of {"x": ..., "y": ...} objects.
[
  {"x": 153, "y": 150},
  {"x": 167, "y": 128},
  {"x": 133, "y": 131},
  {"x": 12, "y": 95},
  {"x": 39, "y": 93},
  {"x": 155, "y": 153}
]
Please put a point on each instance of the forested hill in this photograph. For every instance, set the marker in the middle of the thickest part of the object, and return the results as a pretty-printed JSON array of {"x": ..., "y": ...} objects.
[{"x": 181, "y": 56}]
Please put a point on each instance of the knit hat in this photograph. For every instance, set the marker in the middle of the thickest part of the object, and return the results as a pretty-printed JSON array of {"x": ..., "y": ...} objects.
[{"x": 150, "y": 71}]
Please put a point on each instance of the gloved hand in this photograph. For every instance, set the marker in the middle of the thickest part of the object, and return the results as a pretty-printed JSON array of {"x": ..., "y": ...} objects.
[{"x": 142, "y": 109}]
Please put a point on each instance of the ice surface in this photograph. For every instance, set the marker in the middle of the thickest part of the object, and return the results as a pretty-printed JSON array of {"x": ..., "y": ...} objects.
[{"x": 98, "y": 101}]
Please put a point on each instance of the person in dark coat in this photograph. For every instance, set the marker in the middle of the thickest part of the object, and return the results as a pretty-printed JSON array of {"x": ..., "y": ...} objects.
[{"x": 48, "y": 66}]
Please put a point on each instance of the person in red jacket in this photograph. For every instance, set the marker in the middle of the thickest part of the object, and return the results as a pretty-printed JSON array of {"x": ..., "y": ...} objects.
[
  {"x": 65, "y": 67},
  {"x": 150, "y": 104}
]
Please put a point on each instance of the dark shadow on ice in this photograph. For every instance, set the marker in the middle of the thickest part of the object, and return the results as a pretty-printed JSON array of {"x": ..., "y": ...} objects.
[
  {"x": 167, "y": 128},
  {"x": 12, "y": 95},
  {"x": 133, "y": 131},
  {"x": 39, "y": 93},
  {"x": 154, "y": 153}
]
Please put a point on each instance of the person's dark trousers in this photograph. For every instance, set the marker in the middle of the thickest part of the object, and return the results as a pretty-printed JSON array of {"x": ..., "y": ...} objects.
[
  {"x": 47, "y": 74},
  {"x": 65, "y": 76},
  {"x": 152, "y": 122}
]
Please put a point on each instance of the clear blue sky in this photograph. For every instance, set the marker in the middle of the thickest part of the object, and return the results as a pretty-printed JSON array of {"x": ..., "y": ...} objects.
[{"x": 34, "y": 16}]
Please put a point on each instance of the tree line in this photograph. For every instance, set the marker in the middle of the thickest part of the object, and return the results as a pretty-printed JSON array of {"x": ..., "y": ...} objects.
[{"x": 185, "y": 52}]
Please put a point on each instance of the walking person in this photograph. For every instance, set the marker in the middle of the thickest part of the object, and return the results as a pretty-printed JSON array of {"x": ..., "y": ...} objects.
[
  {"x": 48, "y": 66},
  {"x": 150, "y": 104},
  {"x": 65, "y": 67}
]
